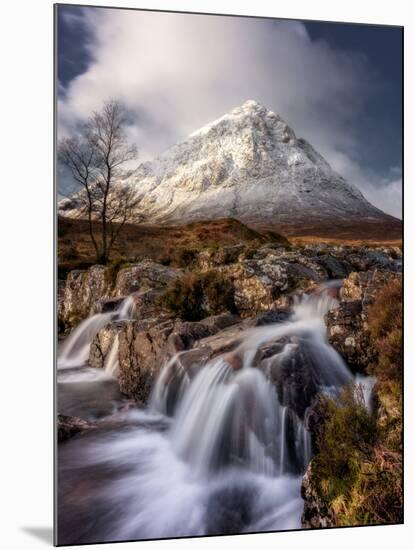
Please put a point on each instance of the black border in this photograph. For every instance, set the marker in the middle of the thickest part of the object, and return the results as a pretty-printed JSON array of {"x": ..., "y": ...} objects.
[{"x": 55, "y": 274}]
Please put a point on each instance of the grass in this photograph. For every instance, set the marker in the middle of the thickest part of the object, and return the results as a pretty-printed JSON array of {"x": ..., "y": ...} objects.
[
  {"x": 169, "y": 245},
  {"x": 357, "y": 471},
  {"x": 385, "y": 323}
]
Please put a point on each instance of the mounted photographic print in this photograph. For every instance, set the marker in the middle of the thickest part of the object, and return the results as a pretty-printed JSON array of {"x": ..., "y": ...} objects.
[{"x": 229, "y": 275}]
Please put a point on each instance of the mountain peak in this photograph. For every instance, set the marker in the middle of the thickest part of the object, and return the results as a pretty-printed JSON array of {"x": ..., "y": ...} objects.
[
  {"x": 250, "y": 115},
  {"x": 247, "y": 164},
  {"x": 252, "y": 107}
]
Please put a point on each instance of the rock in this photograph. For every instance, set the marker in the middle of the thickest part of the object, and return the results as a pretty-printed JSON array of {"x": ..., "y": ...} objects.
[
  {"x": 272, "y": 316},
  {"x": 102, "y": 344},
  {"x": 336, "y": 269},
  {"x": 83, "y": 289},
  {"x": 68, "y": 426},
  {"x": 348, "y": 324},
  {"x": 107, "y": 305},
  {"x": 210, "y": 259},
  {"x": 259, "y": 284},
  {"x": 185, "y": 334},
  {"x": 144, "y": 276},
  {"x": 224, "y": 340},
  {"x": 316, "y": 513},
  {"x": 366, "y": 259},
  {"x": 147, "y": 305},
  {"x": 347, "y": 335},
  {"x": 142, "y": 352}
]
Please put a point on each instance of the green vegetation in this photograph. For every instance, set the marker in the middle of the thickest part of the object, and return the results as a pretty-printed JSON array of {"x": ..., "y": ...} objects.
[
  {"x": 357, "y": 471},
  {"x": 198, "y": 295}
]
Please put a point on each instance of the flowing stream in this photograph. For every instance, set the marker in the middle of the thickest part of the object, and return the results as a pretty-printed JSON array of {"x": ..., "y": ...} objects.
[{"x": 227, "y": 456}]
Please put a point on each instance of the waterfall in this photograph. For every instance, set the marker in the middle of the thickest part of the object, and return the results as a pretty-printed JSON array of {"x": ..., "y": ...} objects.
[
  {"x": 220, "y": 448},
  {"x": 233, "y": 417},
  {"x": 74, "y": 351},
  {"x": 111, "y": 361}
]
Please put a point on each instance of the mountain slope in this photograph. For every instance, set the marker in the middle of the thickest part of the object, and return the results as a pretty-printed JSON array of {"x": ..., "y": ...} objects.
[{"x": 249, "y": 165}]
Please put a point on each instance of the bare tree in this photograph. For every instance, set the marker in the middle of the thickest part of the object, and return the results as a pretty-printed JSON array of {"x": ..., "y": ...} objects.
[{"x": 98, "y": 160}]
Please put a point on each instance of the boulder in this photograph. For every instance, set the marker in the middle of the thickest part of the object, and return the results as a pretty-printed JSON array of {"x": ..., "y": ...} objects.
[
  {"x": 83, "y": 289},
  {"x": 144, "y": 276},
  {"x": 145, "y": 346},
  {"x": 335, "y": 268},
  {"x": 260, "y": 284},
  {"x": 102, "y": 344},
  {"x": 210, "y": 259},
  {"x": 141, "y": 354}
]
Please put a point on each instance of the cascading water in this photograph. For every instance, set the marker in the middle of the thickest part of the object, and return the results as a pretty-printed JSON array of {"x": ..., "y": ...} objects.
[
  {"x": 111, "y": 362},
  {"x": 74, "y": 351},
  {"x": 220, "y": 451}
]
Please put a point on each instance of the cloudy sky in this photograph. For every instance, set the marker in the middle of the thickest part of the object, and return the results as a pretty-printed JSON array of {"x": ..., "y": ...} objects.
[{"x": 339, "y": 86}]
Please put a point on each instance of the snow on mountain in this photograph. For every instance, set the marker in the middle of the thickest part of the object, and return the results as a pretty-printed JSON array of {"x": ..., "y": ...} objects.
[{"x": 249, "y": 165}]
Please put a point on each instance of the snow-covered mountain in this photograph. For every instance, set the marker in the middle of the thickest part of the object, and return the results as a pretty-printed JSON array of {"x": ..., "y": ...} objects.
[{"x": 248, "y": 165}]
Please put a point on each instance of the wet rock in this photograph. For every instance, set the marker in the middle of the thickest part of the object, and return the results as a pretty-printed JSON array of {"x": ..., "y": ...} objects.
[
  {"x": 185, "y": 334},
  {"x": 142, "y": 353},
  {"x": 292, "y": 373},
  {"x": 272, "y": 316},
  {"x": 230, "y": 509},
  {"x": 68, "y": 426},
  {"x": 144, "y": 276},
  {"x": 224, "y": 340},
  {"x": 107, "y": 305},
  {"x": 102, "y": 344},
  {"x": 316, "y": 514}
]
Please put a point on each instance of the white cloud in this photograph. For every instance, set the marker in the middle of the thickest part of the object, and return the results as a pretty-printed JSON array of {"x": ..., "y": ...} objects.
[{"x": 178, "y": 72}]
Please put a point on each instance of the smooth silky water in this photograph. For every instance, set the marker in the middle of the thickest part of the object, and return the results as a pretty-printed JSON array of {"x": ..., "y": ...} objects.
[{"x": 228, "y": 458}]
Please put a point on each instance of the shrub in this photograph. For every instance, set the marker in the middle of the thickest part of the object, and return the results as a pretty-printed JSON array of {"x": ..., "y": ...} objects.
[
  {"x": 185, "y": 257},
  {"x": 385, "y": 320},
  {"x": 357, "y": 472},
  {"x": 198, "y": 295},
  {"x": 345, "y": 441}
]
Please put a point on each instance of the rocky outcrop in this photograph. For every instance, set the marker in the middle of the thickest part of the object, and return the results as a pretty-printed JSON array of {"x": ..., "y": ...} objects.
[
  {"x": 347, "y": 325},
  {"x": 316, "y": 514},
  {"x": 91, "y": 291},
  {"x": 145, "y": 346},
  {"x": 263, "y": 281}
]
